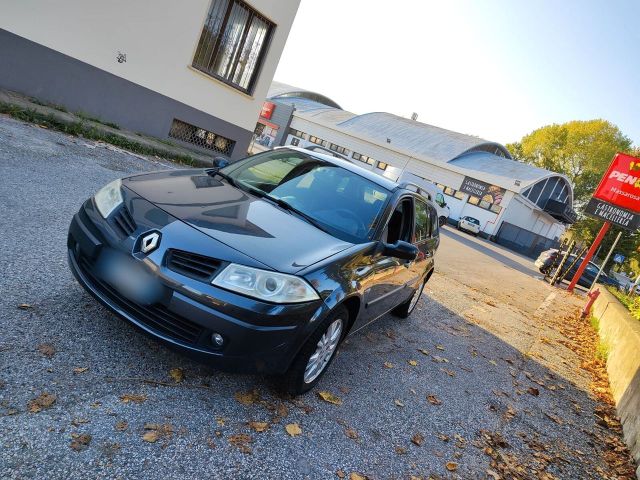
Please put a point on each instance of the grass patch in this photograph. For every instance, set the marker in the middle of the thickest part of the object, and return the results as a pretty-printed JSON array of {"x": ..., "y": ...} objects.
[
  {"x": 631, "y": 303},
  {"x": 90, "y": 132},
  {"x": 97, "y": 120},
  {"x": 602, "y": 349}
]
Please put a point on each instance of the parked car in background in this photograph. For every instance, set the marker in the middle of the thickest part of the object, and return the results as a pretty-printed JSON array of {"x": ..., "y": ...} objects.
[
  {"x": 470, "y": 225},
  {"x": 432, "y": 192},
  {"x": 547, "y": 259},
  {"x": 264, "y": 265}
]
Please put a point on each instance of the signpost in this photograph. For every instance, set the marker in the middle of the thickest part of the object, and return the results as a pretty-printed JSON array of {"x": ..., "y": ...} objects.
[{"x": 616, "y": 201}]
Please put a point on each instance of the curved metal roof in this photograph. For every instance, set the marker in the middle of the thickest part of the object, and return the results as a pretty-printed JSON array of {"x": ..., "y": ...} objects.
[{"x": 281, "y": 90}]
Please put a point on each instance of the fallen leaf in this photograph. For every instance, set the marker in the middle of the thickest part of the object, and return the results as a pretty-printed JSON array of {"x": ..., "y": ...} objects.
[
  {"x": 493, "y": 362},
  {"x": 340, "y": 474},
  {"x": 452, "y": 466},
  {"x": 440, "y": 347},
  {"x": 356, "y": 476},
  {"x": 398, "y": 403},
  {"x": 80, "y": 369},
  {"x": 555, "y": 418},
  {"x": 413, "y": 363},
  {"x": 47, "y": 349},
  {"x": 42, "y": 401},
  {"x": 388, "y": 365},
  {"x": 351, "y": 433},
  {"x": 259, "y": 426},
  {"x": 493, "y": 474},
  {"x": 25, "y": 306},
  {"x": 533, "y": 391},
  {"x": 248, "y": 398},
  {"x": 423, "y": 351},
  {"x": 79, "y": 421},
  {"x": 80, "y": 441},
  {"x": 510, "y": 413},
  {"x": 177, "y": 374},
  {"x": 121, "y": 426},
  {"x": 329, "y": 397},
  {"x": 220, "y": 421},
  {"x": 293, "y": 429},
  {"x": 241, "y": 441},
  {"x": 433, "y": 400},
  {"x": 443, "y": 437},
  {"x": 133, "y": 398},
  {"x": 451, "y": 373},
  {"x": 438, "y": 359},
  {"x": 400, "y": 450},
  {"x": 151, "y": 436},
  {"x": 417, "y": 439}
]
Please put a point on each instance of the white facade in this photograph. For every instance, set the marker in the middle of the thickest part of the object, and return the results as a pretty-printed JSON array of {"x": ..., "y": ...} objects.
[{"x": 159, "y": 38}]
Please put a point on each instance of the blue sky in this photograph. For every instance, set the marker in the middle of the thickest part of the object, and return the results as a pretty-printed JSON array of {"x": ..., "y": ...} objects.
[{"x": 493, "y": 68}]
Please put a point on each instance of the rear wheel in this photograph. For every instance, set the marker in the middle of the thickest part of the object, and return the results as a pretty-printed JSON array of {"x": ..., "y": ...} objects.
[
  {"x": 404, "y": 309},
  {"x": 317, "y": 353},
  {"x": 442, "y": 221}
]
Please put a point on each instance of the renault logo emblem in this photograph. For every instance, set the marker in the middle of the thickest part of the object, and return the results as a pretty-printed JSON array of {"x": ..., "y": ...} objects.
[{"x": 149, "y": 242}]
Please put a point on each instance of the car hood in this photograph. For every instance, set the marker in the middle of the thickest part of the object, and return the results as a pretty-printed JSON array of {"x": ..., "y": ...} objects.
[{"x": 249, "y": 224}]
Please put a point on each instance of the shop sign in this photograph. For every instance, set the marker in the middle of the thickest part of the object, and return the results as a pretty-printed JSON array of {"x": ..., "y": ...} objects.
[
  {"x": 267, "y": 110},
  {"x": 485, "y": 191}
]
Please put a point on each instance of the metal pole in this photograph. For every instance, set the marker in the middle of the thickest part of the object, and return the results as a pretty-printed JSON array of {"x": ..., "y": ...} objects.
[
  {"x": 560, "y": 266},
  {"x": 615, "y": 242},
  {"x": 587, "y": 258}
]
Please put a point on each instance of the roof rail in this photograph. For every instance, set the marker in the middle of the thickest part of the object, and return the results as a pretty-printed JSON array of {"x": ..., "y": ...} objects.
[{"x": 419, "y": 190}]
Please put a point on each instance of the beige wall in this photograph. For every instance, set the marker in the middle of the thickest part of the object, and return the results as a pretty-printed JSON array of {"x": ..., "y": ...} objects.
[{"x": 159, "y": 38}]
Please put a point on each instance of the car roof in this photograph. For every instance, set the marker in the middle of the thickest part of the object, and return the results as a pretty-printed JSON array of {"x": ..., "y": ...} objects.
[{"x": 347, "y": 165}]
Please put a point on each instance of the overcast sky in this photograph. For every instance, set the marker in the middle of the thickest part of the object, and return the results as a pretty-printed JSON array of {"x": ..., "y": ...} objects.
[{"x": 493, "y": 68}]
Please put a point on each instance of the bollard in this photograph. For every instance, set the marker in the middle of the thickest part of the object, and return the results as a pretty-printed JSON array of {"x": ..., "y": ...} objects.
[{"x": 592, "y": 298}]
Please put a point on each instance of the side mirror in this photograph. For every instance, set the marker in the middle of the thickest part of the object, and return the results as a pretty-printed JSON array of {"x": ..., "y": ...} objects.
[
  {"x": 220, "y": 162},
  {"x": 402, "y": 250}
]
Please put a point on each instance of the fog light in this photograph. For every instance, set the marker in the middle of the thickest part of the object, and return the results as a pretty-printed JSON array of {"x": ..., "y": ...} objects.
[{"x": 217, "y": 339}]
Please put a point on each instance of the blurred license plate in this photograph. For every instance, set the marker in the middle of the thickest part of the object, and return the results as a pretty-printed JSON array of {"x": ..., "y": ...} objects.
[{"x": 129, "y": 278}]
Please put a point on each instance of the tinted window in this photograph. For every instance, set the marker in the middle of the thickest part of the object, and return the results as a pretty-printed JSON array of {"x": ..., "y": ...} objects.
[
  {"x": 345, "y": 204},
  {"x": 422, "y": 221}
]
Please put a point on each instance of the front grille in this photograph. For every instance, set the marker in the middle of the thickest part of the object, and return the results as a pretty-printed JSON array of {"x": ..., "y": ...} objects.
[
  {"x": 192, "y": 265},
  {"x": 156, "y": 317},
  {"x": 124, "y": 222}
]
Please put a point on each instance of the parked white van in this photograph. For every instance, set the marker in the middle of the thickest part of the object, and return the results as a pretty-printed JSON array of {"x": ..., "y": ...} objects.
[{"x": 432, "y": 191}]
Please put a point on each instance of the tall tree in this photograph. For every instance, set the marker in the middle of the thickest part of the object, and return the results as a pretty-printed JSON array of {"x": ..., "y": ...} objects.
[{"x": 581, "y": 150}]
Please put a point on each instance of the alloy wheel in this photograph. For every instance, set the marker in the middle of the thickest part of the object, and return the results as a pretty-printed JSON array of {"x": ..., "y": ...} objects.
[
  {"x": 325, "y": 349},
  {"x": 415, "y": 298}
]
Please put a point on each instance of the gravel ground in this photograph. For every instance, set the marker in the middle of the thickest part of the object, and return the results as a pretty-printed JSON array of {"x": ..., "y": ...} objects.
[{"x": 492, "y": 380}]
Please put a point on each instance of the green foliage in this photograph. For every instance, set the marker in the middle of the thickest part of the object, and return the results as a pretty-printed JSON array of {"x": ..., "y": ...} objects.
[
  {"x": 90, "y": 132},
  {"x": 581, "y": 150},
  {"x": 632, "y": 303}
]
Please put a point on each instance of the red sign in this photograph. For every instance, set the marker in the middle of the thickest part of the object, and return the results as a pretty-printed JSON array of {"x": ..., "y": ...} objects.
[
  {"x": 267, "y": 110},
  {"x": 620, "y": 185}
]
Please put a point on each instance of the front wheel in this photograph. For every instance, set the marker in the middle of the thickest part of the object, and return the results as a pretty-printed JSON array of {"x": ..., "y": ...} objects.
[{"x": 316, "y": 354}]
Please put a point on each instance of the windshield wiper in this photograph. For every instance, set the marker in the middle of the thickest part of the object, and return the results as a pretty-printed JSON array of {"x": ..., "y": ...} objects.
[{"x": 212, "y": 172}]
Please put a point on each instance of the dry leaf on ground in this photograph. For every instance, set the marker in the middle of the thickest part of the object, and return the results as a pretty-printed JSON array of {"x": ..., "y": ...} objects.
[
  {"x": 248, "y": 398},
  {"x": 25, "y": 306},
  {"x": 47, "y": 349},
  {"x": 329, "y": 397},
  {"x": 177, "y": 374},
  {"x": 413, "y": 363},
  {"x": 388, "y": 365},
  {"x": 439, "y": 359},
  {"x": 340, "y": 473},
  {"x": 356, "y": 476},
  {"x": 351, "y": 433},
  {"x": 398, "y": 403},
  {"x": 533, "y": 391},
  {"x": 433, "y": 400},
  {"x": 80, "y": 441},
  {"x": 440, "y": 347},
  {"x": 452, "y": 466},
  {"x": 241, "y": 441},
  {"x": 80, "y": 369},
  {"x": 259, "y": 426},
  {"x": 417, "y": 439},
  {"x": 133, "y": 398},
  {"x": 423, "y": 351},
  {"x": 293, "y": 429},
  {"x": 121, "y": 426},
  {"x": 42, "y": 401},
  {"x": 155, "y": 431}
]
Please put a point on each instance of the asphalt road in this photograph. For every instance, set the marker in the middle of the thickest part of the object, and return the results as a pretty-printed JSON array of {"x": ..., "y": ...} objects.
[{"x": 480, "y": 322}]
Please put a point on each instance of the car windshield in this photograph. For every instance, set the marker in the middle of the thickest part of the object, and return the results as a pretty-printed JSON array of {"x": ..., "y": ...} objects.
[
  {"x": 473, "y": 220},
  {"x": 343, "y": 203}
]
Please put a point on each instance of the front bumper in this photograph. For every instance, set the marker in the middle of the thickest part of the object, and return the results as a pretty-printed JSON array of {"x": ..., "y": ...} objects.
[{"x": 259, "y": 337}]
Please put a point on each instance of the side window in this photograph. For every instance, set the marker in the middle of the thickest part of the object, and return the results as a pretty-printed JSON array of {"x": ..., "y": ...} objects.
[
  {"x": 422, "y": 222},
  {"x": 399, "y": 224},
  {"x": 440, "y": 199},
  {"x": 435, "y": 225}
]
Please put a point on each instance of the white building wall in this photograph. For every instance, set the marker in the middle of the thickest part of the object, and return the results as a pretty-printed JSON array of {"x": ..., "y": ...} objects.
[{"x": 159, "y": 37}]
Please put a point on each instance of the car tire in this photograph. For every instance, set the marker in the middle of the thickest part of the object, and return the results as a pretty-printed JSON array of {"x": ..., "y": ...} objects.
[
  {"x": 404, "y": 309},
  {"x": 442, "y": 221},
  {"x": 300, "y": 378}
]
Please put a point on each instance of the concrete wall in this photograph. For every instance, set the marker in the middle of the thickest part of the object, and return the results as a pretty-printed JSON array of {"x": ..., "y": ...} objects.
[
  {"x": 159, "y": 37},
  {"x": 621, "y": 333}
]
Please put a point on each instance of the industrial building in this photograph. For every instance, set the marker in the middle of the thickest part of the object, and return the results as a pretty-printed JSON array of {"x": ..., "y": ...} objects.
[
  {"x": 196, "y": 73},
  {"x": 518, "y": 205}
]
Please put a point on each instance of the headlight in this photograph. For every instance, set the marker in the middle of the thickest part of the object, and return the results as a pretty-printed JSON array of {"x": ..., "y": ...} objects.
[
  {"x": 108, "y": 198},
  {"x": 264, "y": 285}
]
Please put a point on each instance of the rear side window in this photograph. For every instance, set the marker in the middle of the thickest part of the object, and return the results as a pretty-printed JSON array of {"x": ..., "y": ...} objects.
[{"x": 422, "y": 221}]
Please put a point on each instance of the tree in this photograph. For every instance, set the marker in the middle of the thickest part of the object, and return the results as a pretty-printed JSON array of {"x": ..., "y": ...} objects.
[{"x": 581, "y": 150}]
